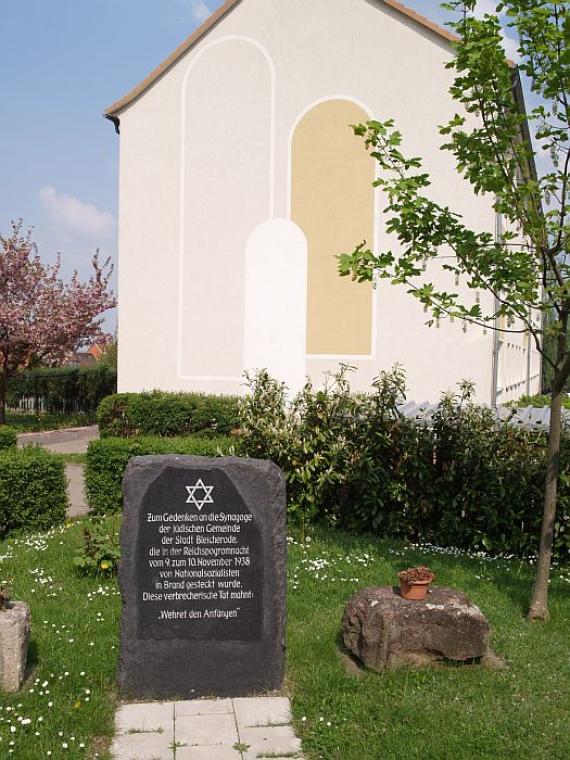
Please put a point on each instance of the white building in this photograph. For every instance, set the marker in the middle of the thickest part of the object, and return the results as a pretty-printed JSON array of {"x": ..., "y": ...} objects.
[{"x": 240, "y": 180}]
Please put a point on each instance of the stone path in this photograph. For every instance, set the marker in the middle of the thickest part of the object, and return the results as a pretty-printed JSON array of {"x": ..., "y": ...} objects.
[
  {"x": 75, "y": 474},
  {"x": 70, "y": 441},
  {"x": 67, "y": 441},
  {"x": 249, "y": 728}
]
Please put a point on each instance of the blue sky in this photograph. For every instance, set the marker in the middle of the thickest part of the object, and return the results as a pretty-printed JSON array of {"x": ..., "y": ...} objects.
[{"x": 61, "y": 63}]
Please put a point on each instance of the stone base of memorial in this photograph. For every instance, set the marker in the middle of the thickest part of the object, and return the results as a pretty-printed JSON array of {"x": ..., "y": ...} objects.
[
  {"x": 202, "y": 577},
  {"x": 382, "y": 629},
  {"x": 14, "y": 636}
]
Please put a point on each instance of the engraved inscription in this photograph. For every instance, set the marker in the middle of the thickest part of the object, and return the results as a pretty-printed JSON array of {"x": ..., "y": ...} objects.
[{"x": 199, "y": 560}]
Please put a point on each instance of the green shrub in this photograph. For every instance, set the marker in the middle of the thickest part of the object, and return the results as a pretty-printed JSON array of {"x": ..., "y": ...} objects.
[
  {"x": 317, "y": 440},
  {"x": 540, "y": 401},
  {"x": 354, "y": 461},
  {"x": 33, "y": 490},
  {"x": 8, "y": 439},
  {"x": 107, "y": 460},
  {"x": 100, "y": 552},
  {"x": 167, "y": 414},
  {"x": 61, "y": 390}
]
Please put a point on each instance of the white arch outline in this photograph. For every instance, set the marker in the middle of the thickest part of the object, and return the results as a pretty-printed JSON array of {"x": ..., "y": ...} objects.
[
  {"x": 271, "y": 190},
  {"x": 372, "y": 356}
]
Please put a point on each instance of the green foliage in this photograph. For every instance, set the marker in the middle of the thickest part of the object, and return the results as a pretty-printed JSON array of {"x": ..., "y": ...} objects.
[
  {"x": 110, "y": 355},
  {"x": 167, "y": 414},
  {"x": 527, "y": 271},
  {"x": 31, "y": 423},
  {"x": 63, "y": 390},
  {"x": 307, "y": 440},
  {"x": 540, "y": 401},
  {"x": 488, "y": 483},
  {"x": 523, "y": 269},
  {"x": 107, "y": 460},
  {"x": 33, "y": 490},
  {"x": 324, "y": 442},
  {"x": 8, "y": 439},
  {"x": 550, "y": 349},
  {"x": 100, "y": 552},
  {"x": 354, "y": 461}
]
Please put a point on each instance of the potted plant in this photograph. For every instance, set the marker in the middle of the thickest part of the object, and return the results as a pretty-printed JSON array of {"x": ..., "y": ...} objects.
[{"x": 415, "y": 581}]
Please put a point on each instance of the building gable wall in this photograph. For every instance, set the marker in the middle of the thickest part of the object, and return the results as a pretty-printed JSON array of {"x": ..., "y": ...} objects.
[{"x": 207, "y": 156}]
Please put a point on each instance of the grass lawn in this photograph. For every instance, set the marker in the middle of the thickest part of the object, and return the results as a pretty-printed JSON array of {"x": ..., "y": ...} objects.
[
  {"x": 31, "y": 423},
  {"x": 519, "y": 712},
  {"x": 66, "y": 706},
  {"x": 456, "y": 713}
]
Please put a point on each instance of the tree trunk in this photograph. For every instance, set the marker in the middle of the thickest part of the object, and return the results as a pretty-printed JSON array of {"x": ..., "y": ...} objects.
[
  {"x": 2, "y": 397},
  {"x": 539, "y": 602}
]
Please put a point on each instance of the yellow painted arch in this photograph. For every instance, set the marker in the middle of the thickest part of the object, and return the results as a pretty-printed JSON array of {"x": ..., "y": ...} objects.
[{"x": 332, "y": 201}]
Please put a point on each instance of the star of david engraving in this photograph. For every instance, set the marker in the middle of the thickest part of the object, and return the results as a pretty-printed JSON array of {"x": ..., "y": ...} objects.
[{"x": 199, "y": 486}]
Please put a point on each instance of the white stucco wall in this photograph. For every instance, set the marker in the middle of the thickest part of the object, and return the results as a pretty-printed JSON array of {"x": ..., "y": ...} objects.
[
  {"x": 205, "y": 158},
  {"x": 275, "y": 326}
]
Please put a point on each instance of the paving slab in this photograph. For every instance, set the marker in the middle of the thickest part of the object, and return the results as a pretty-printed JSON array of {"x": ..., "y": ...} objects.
[
  {"x": 75, "y": 474},
  {"x": 145, "y": 716},
  {"x": 203, "y": 707},
  {"x": 262, "y": 711},
  {"x": 143, "y": 747},
  {"x": 208, "y": 753},
  {"x": 206, "y": 730},
  {"x": 269, "y": 741}
]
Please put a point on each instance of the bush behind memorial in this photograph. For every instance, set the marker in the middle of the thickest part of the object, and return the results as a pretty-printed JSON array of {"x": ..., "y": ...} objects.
[{"x": 353, "y": 461}]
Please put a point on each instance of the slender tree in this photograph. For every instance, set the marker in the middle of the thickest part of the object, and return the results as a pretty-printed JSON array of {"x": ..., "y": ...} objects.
[
  {"x": 110, "y": 354},
  {"x": 527, "y": 268},
  {"x": 43, "y": 319}
]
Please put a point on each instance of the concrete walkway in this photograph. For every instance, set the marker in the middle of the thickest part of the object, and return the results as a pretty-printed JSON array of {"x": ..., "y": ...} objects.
[
  {"x": 75, "y": 474},
  {"x": 210, "y": 729},
  {"x": 67, "y": 441},
  {"x": 70, "y": 441}
]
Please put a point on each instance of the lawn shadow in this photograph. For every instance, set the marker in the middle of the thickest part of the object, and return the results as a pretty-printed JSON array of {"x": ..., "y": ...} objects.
[
  {"x": 350, "y": 664},
  {"x": 516, "y": 588},
  {"x": 32, "y": 662},
  {"x": 33, "y": 656}
]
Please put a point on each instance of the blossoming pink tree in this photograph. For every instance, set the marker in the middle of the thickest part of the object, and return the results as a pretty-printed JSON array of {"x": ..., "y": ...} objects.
[{"x": 43, "y": 318}]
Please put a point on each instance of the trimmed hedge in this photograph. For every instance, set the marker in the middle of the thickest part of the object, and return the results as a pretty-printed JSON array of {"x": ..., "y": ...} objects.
[
  {"x": 107, "y": 460},
  {"x": 33, "y": 490},
  {"x": 540, "y": 401},
  {"x": 8, "y": 439},
  {"x": 354, "y": 461},
  {"x": 61, "y": 390},
  {"x": 167, "y": 415}
]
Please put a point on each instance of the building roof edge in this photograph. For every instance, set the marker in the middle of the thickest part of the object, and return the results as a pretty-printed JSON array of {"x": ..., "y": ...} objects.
[{"x": 113, "y": 111}]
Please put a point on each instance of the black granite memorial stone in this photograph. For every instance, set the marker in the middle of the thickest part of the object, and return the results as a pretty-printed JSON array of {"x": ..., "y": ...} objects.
[{"x": 202, "y": 577}]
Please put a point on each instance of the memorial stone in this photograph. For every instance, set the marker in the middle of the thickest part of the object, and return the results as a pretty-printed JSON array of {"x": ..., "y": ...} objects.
[{"x": 202, "y": 577}]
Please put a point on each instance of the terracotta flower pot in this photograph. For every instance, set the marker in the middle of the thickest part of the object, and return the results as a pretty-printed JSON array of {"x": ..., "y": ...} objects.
[{"x": 416, "y": 590}]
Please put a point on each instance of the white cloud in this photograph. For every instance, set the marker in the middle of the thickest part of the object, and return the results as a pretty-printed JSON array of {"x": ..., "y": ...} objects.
[
  {"x": 75, "y": 216},
  {"x": 199, "y": 10},
  {"x": 511, "y": 47},
  {"x": 485, "y": 6}
]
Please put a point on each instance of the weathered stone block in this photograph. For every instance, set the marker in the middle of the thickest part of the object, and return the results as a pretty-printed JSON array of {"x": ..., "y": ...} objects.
[
  {"x": 384, "y": 630},
  {"x": 14, "y": 637}
]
